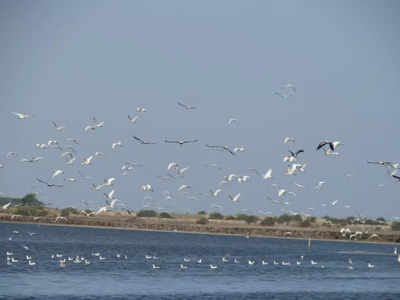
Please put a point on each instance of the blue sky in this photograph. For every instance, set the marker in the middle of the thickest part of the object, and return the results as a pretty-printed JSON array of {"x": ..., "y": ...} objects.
[{"x": 68, "y": 61}]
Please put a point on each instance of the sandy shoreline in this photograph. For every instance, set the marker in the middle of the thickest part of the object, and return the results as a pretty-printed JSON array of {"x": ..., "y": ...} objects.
[{"x": 224, "y": 231}]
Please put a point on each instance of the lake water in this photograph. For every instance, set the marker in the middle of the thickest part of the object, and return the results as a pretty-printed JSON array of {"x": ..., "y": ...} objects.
[{"x": 124, "y": 272}]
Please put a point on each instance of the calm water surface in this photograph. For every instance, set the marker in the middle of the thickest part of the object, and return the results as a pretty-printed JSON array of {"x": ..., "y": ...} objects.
[{"x": 126, "y": 273}]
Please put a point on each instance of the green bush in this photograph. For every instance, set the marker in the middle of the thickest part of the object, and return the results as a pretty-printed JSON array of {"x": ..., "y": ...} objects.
[
  {"x": 396, "y": 226},
  {"x": 69, "y": 211},
  {"x": 268, "y": 221},
  {"x": 147, "y": 213},
  {"x": 251, "y": 219},
  {"x": 202, "y": 212},
  {"x": 202, "y": 221},
  {"x": 242, "y": 217},
  {"x": 216, "y": 216},
  {"x": 285, "y": 218},
  {"x": 165, "y": 215},
  {"x": 305, "y": 223},
  {"x": 230, "y": 217},
  {"x": 34, "y": 211}
]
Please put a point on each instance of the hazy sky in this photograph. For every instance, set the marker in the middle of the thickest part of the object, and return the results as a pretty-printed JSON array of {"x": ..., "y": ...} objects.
[{"x": 67, "y": 61}]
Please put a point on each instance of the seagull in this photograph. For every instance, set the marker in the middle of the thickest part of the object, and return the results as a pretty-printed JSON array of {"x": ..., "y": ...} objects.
[
  {"x": 32, "y": 160},
  {"x": 109, "y": 181},
  {"x": 70, "y": 179},
  {"x": 333, "y": 203},
  {"x": 231, "y": 120},
  {"x": 57, "y": 172},
  {"x": 234, "y": 198},
  {"x": 22, "y": 115},
  {"x": 319, "y": 185},
  {"x": 116, "y": 144},
  {"x": 100, "y": 210},
  {"x": 332, "y": 145},
  {"x": 141, "y": 109},
  {"x": 185, "y": 106},
  {"x": 58, "y": 127},
  {"x": 41, "y": 146},
  {"x": 224, "y": 148},
  {"x": 133, "y": 119},
  {"x": 11, "y": 154},
  {"x": 112, "y": 203},
  {"x": 48, "y": 184},
  {"x": 299, "y": 185},
  {"x": 396, "y": 177},
  {"x": 142, "y": 141},
  {"x": 87, "y": 161},
  {"x": 238, "y": 149},
  {"x": 109, "y": 195},
  {"x": 5, "y": 206},
  {"x": 96, "y": 123},
  {"x": 216, "y": 192},
  {"x": 147, "y": 188},
  {"x": 181, "y": 171},
  {"x": 213, "y": 267},
  {"x": 172, "y": 164},
  {"x": 371, "y": 266},
  {"x": 183, "y": 187},
  {"x": 181, "y": 142},
  {"x": 289, "y": 139},
  {"x": 294, "y": 154}
]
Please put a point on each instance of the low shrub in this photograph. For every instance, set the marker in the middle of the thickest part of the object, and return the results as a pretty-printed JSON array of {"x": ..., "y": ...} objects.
[
  {"x": 165, "y": 215},
  {"x": 268, "y": 221},
  {"x": 202, "y": 221},
  {"x": 147, "y": 213},
  {"x": 216, "y": 216},
  {"x": 69, "y": 211},
  {"x": 251, "y": 219}
]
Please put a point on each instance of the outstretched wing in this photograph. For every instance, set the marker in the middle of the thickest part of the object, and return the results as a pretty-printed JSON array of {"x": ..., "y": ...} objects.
[
  {"x": 42, "y": 181},
  {"x": 320, "y": 145},
  {"x": 138, "y": 139},
  {"x": 190, "y": 141},
  {"x": 299, "y": 151}
]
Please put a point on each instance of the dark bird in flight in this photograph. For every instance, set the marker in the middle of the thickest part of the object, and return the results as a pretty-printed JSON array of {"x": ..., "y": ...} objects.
[
  {"x": 181, "y": 142},
  {"x": 49, "y": 184},
  {"x": 294, "y": 154},
  {"x": 381, "y": 163},
  {"x": 142, "y": 141},
  {"x": 324, "y": 143},
  {"x": 396, "y": 177},
  {"x": 185, "y": 106},
  {"x": 224, "y": 148}
]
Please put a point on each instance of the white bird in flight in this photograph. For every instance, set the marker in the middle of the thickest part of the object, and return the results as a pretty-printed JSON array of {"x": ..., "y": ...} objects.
[
  {"x": 116, "y": 144},
  {"x": 141, "y": 109},
  {"x": 22, "y": 115},
  {"x": 234, "y": 198},
  {"x": 289, "y": 139},
  {"x": 57, "y": 172},
  {"x": 147, "y": 188},
  {"x": 133, "y": 119},
  {"x": 57, "y": 127},
  {"x": 268, "y": 174},
  {"x": 184, "y": 187}
]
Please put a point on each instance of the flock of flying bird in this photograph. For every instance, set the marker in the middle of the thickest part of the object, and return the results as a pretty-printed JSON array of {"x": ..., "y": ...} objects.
[{"x": 295, "y": 165}]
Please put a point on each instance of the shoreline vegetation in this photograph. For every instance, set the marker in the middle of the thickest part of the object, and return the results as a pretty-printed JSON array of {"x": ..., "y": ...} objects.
[{"x": 30, "y": 210}]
